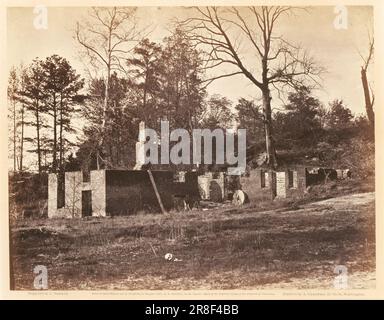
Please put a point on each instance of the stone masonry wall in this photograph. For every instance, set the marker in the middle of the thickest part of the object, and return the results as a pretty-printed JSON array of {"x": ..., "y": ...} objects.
[
  {"x": 73, "y": 187},
  {"x": 212, "y": 186},
  {"x": 261, "y": 184},
  {"x": 98, "y": 188},
  {"x": 52, "y": 195},
  {"x": 252, "y": 185}
]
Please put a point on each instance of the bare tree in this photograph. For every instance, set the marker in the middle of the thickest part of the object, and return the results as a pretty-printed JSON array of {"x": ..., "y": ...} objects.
[
  {"x": 106, "y": 37},
  {"x": 230, "y": 34},
  {"x": 368, "y": 93}
]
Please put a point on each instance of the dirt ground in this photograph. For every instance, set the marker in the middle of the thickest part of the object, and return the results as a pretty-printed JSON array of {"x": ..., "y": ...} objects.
[{"x": 288, "y": 246}]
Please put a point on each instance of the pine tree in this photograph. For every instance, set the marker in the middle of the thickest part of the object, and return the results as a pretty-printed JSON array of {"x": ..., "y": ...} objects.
[{"x": 34, "y": 96}]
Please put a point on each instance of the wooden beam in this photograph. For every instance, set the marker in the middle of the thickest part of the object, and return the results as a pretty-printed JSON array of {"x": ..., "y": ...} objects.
[{"x": 156, "y": 192}]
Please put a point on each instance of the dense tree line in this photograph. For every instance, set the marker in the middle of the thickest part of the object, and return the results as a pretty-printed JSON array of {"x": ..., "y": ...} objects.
[
  {"x": 160, "y": 82},
  {"x": 305, "y": 129},
  {"x": 135, "y": 79},
  {"x": 46, "y": 96}
]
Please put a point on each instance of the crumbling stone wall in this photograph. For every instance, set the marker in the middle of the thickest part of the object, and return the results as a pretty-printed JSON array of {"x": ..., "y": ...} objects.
[
  {"x": 320, "y": 175},
  {"x": 265, "y": 184},
  {"x": 212, "y": 186},
  {"x": 131, "y": 191},
  {"x": 121, "y": 192},
  {"x": 343, "y": 174},
  {"x": 299, "y": 185},
  {"x": 252, "y": 184},
  {"x": 73, "y": 186},
  {"x": 52, "y": 195},
  {"x": 98, "y": 189}
]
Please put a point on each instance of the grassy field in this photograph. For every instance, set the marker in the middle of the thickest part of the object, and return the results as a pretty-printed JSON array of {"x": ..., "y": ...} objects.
[{"x": 280, "y": 244}]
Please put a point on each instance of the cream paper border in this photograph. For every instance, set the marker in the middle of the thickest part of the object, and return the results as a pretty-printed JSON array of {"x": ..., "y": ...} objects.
[{"x": 359, "y": 294}]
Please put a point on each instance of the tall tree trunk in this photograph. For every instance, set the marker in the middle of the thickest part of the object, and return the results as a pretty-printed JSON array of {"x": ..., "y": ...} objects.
[
  {"x": 38, "y": 136},
  {"x": 144, "y": 111},
  {"x": 106, "y": 98},
  {"x": 104, "y": 120},
  {"x": 61, "y": 175},
  {"x": 267, "y": 111},
  {"x": 269, "y": 143},
  {"x": 367, "y": 96},
  {"x": 14, "y": 136},
  {"x": 22, "y": 140},
  {"x": 61, "y": 147},
  {"x": 54, "y": 163}
]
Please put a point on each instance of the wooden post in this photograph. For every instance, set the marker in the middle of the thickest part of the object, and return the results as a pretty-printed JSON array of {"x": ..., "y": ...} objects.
[{"x": 156, "y": 191}]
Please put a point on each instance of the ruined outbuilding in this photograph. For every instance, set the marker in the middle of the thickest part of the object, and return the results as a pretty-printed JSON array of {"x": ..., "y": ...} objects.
[
  {"x": 118, "y": 192},
  {"x": 267, "y": 184},
  {"x": 286, "y": 182}
]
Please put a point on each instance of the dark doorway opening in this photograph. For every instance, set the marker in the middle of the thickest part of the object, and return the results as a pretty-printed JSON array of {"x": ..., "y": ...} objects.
[
  {"x": 86, "y": 203},
  {"x": 60, "y": 190},
  {"x": 273, "y": 181}
]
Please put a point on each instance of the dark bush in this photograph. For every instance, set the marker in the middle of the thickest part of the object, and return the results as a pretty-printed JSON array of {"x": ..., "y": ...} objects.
[{"x": 28, "y": 194}]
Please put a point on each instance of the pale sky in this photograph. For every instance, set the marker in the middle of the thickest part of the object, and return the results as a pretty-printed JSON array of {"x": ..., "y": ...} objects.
[{"x": 335, "y": 50}]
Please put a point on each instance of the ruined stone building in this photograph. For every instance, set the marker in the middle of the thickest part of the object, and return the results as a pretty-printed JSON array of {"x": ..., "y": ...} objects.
[
  {"x": 287, "y": 182},
  {"x": 126, "y": 192},
  {"x": 266, "y": 184},
  {"x": 117, "y": 192}
]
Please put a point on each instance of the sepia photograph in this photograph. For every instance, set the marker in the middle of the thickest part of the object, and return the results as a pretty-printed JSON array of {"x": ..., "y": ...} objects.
[{"x": 170, "y": 147}]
